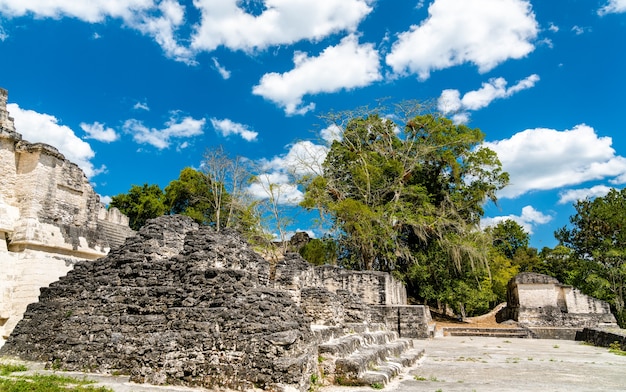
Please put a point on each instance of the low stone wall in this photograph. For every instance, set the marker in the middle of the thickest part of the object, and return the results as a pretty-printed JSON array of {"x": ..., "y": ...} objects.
[
  {"x": 410, "y": 321},
  {"x": 373, "y": 287},
  {"x": 603, "y": 337}
]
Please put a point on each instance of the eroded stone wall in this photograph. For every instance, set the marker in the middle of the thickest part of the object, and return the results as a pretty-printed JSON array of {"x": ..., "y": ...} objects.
[
  {"x": 537, "y": 300},
  {"x": 50, "y": 218}
]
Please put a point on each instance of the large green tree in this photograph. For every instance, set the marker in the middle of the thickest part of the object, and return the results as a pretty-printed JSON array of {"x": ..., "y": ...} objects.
[
  {"x": 597, "y": 237},
  {"x": 140, "y": 204},
  {"x": 407, "y": 197}
]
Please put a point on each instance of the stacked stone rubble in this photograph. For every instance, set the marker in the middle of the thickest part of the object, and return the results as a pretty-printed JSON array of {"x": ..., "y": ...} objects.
[{"x": 177, "y": 304}]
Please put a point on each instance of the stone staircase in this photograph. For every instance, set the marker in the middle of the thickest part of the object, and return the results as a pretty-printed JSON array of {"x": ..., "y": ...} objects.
[
  {"x": 360, "y": 354},
  {"x": 114, "y": 234}
]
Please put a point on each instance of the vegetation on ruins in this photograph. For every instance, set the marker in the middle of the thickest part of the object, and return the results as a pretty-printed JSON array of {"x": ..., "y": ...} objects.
[
  {"x": 406, "y": 197},
  {"x": 212, "y": 196},
  {"x": 597, "y": 241},
  {"x": 403, "y": 190}
]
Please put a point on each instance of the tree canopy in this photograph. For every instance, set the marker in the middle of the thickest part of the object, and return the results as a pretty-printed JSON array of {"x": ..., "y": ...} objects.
[
  {"x": 408, "y": 199},
  {"x": 597, "y": 238}
]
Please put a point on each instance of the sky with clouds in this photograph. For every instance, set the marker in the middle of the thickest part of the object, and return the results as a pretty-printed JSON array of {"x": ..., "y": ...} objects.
[{"x": 133, "y": 91}]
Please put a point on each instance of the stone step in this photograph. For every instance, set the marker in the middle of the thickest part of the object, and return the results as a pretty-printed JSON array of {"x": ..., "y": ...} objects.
[
  {"x": 376, "y": 365},
  {"x": 347, "y": 344},
  {"x": 363, "y": 354},
  {"x": 487, "y": 332}
]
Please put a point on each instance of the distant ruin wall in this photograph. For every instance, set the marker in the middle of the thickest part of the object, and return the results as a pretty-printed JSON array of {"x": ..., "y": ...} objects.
[
  {"x": 50, "y": 218},
  {"x": 537, "y": 300}
]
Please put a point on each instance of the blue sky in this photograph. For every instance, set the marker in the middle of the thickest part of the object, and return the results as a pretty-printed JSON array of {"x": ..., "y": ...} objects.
[{"x": 135, "y": 90}]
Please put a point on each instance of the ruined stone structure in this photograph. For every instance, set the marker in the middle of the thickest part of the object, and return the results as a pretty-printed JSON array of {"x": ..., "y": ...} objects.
[
  {"x": 183, "y": 304},
  {"x": 542, "y": 304},
  {"x": 50, "y": 218}
]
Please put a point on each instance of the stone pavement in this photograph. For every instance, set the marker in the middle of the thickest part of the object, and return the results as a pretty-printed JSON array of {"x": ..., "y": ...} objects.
[
  {"x": 478, "y": 364},
  {"x": 507, "y": 365}
]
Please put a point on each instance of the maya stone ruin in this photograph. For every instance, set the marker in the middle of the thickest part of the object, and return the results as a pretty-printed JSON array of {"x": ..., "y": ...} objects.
[{"x": 178, "y": 303}]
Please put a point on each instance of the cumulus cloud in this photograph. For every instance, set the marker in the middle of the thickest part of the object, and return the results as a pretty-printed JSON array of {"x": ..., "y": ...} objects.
[
  {"x": 44, "y": 128},
  {"x": 573, "y": 195},
  {"x": 450, "y": 101},
  {"x": 226, "y": 23},
  {"x": 345, "y": 66},
  {"x": 542, "y": 159},
  {"x": 88, "y": 11},
  {"x": 98, "y": 132},
  {"x": 528, "y": 219},
  {"x": 331, "y": 133},
  {"x": 227, "y": 127},
  {"x": 303, "y": 158},
  {"x": 162, "y": 24},
  {"x": 613, "y": 7},
  {"x": 482, "y": 32},
  {"x": 175, "y": 128},
  {"x": 277, "y": 186}
]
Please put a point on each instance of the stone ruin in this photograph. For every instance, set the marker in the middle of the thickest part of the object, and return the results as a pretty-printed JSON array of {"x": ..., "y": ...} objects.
[
  {"x": 50, "y": 218},
  {"x": 551, "y": 309},
  {"x": 182, "y": 304}
]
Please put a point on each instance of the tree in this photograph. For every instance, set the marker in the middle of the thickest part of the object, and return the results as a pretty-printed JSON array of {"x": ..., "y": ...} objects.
[
  {"x": 598, "y": 239},
  {"x": 191, "y": 195},
  {"x": 140, "y": 204},
  {"x": 409, "y": 200},
  {"x": 508, "y": 236},
  {"x": 228, "y": 177}
]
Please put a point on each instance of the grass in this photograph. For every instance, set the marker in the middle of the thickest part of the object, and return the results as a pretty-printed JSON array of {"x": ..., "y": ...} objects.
[
  {"x": 377, "y": 385},
  {"x": 42, "y": 383},
  {"x": 616, "y": 348}
]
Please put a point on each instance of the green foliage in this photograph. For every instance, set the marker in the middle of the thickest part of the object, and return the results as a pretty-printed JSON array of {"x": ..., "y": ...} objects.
[
  {"x": 47, "y": 383},
  {"x": 190, "y": 195},
  {"x": 597, "y": 239},
  {"x": 410, "y": 202},
  {"x": 616, "y": 348},
  {"x": 195, "y": 194},
  {"x": 8, "y": 368},
  {"x": 140, "y": 204},
  {"x": 320, "y": 251},
  {"x": 508, "y": 237}
]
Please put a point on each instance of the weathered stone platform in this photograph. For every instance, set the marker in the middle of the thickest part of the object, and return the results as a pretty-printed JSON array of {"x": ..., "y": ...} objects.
[{"x": 181, "y": 304}]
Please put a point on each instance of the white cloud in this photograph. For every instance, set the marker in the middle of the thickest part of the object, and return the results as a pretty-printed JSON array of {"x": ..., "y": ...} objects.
[
  {"x": 278, "y": 186},
  {"x": 89, "y": 11},
  {"x": 224, "y": 73},
  {"x": 482, "y": 32},
  {"x": 573, "y": 195},
  {"x": 303, "y": 158},
  {"x": 578, "y": 30},
  {"x": 345, "y": 66},
  {"x": 553, "y": 28},
  {"x": 225, "y": 23},
  {"x": 613, "y": 7},
  {"x": 450, "y": 100},
  {"x": 44, "y": 128},
  {"x": 162, "y": 27},
  {"x": 142, "y": 106},
  {"x": 98, "y": 132},
  {"x": 227, "y": 127},
  {"x": 542, "y": 159},
  {"x": 3, "y": 34},
  {"x": 161, "y": 138},
  {"x": 528, "y": 219},
  {"x": 331, "y": 133}
]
